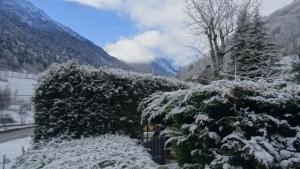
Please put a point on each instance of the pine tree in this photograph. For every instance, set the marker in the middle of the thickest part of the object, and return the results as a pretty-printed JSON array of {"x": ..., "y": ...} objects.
[
  {"x": 254, "y": 53},
  {"x": 263, "y": 49},
  {"x": 241, "y": 44}
]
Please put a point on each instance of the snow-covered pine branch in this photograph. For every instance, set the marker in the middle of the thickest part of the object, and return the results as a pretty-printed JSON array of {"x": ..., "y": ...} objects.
[{"x": 231, "y": 124}]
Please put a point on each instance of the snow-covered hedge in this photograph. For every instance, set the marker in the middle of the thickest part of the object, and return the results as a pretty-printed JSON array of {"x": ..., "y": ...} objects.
[
  {"x": 231, "y": 124},
  {"x": 102, "y": 152},
  {"x": 80, "y": 101}
]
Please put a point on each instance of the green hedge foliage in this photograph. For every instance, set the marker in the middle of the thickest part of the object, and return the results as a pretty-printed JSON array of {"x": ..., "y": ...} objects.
[{"x": 80, "y": 101}]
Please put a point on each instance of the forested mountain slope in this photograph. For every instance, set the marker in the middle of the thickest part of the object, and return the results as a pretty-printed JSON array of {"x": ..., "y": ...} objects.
[
  {"x": 30, "y": 41},
  {"x": 284, "y": 27}
]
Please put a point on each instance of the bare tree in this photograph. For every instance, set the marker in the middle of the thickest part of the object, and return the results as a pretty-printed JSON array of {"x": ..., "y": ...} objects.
[{"x": 215, "y": 20}]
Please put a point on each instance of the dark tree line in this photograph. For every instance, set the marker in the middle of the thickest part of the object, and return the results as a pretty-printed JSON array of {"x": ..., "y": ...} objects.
[{"x": 4, "y": 98}]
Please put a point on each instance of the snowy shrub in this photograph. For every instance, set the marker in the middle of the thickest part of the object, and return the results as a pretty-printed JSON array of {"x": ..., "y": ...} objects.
[
  {"x": 102, "y": 152},
  {"x": 80, "y": 101},
  {"x": 228, "y": 124}
]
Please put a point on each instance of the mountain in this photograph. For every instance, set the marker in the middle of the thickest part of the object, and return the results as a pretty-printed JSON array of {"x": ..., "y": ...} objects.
[
  {"x": 159, "y": 66},
  {"x": 199, "y": 71},
  {"x": 284, "y": 27},
  {"x": 30, "y": 41}
]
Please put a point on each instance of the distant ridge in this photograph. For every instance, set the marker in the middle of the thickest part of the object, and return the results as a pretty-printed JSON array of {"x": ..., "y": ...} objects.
[
  {"x": 284, "y": 27},
  {"x": 30, "y": 41},
  {"x": 159, "y": 66}
]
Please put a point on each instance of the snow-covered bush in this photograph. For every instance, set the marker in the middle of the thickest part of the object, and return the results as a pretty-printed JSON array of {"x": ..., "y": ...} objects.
[
  {"x": 80, "y": 101},
  {"x": 231, "y": 124},
  {"x": 102, "y": 152},
  {"x": 285, "y": 69}
]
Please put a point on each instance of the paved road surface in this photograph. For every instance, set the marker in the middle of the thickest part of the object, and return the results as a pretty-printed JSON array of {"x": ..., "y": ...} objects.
[
  {"x": 11, "y": 135},
  {"x": 12, "y": 127}
]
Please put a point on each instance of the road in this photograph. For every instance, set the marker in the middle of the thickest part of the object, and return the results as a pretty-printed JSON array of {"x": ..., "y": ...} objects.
[
  {"x": 13, "y": 127},
  {"x": 15, "y": 134}
]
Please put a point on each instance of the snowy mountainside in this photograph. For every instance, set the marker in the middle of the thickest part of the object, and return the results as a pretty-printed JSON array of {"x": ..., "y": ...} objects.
[
  {"x": 34, "y": 16},
  {"x": 30, "y": 41},
  {"x": 196, "y": 71},
  {"x": 284, "y": 27},
  {"x": 159, "y": 66},
  {"x": 167, "y": 65}
]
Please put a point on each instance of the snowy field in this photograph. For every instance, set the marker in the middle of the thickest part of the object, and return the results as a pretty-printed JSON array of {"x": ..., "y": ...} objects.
[
  {"x": 13, "y": 149},
  {"x": 21, "y": 88},
  {"x": 27, "y": 117}
]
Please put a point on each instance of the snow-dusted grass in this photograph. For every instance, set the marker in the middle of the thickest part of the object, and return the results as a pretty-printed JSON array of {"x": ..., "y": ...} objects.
[
  {"x": 12, "y": 149},
  {"x": 105, "y": 152}
]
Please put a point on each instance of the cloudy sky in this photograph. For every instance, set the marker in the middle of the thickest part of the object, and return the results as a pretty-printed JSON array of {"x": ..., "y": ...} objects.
[{"x": 134, "y": 31}]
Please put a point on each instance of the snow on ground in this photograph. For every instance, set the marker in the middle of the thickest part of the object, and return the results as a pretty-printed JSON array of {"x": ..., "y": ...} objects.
[
  {"x": 18, "y": 119},
  {"x": 25, "y": 118},
  {"x": 13, "y": 149},
  {"x": 23, "y": 86},
  {"x": 105, "y": 152},
  {"x": 172, "y": 165}
]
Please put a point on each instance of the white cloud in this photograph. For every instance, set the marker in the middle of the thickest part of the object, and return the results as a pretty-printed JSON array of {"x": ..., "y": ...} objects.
[
  {"x": 149, "y": 45},
  {"x": 146, "y": 13},
  {"x": 100, "y": 4},
  {"x": 150, "y": 13},
  {"x": 161, "y": 22},
  {"x": 138, "y": 49},
  {"x": 163, "y": 33}
]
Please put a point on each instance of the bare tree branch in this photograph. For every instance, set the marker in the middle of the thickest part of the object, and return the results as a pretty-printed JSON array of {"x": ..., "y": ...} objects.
[{"x": 216, "y": 19}]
